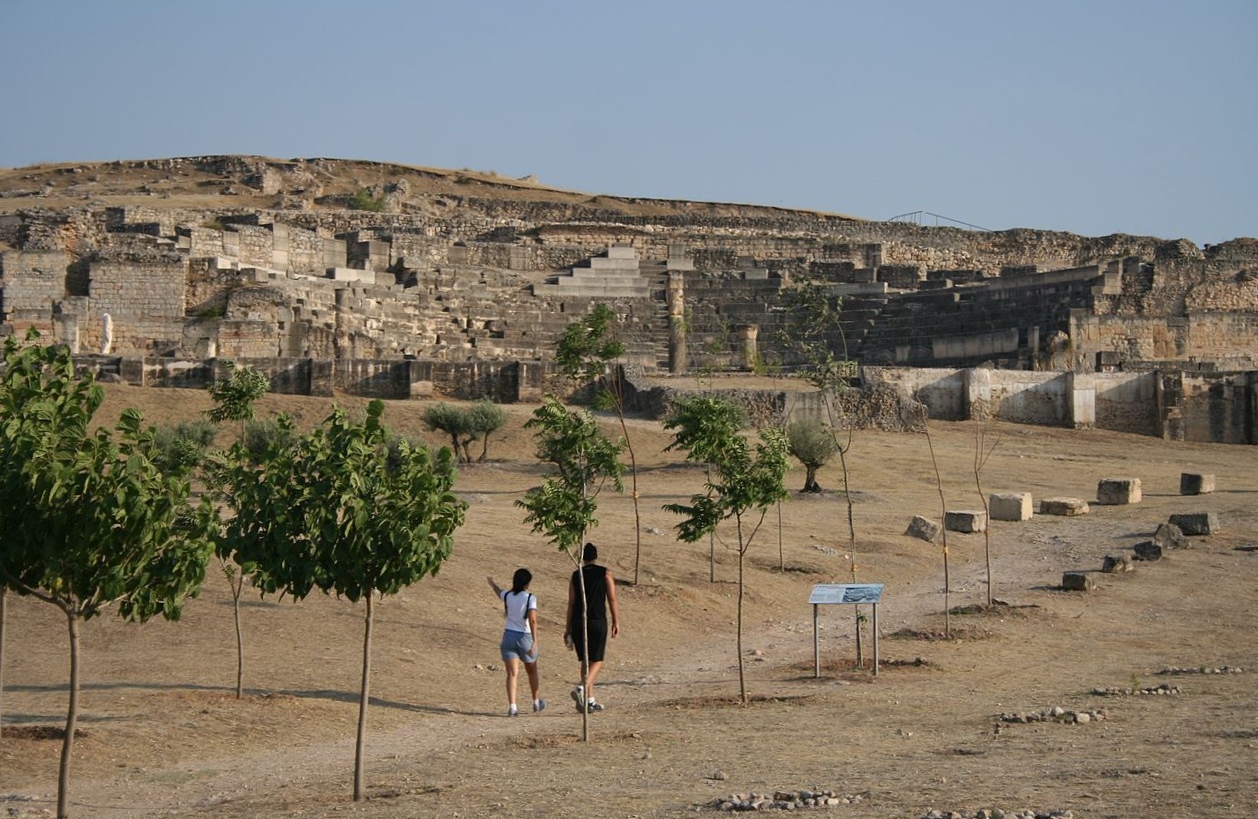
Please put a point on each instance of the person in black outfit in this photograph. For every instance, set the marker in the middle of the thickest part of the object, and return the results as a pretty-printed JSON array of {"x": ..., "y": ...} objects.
[{"x": 600, "y": 592}]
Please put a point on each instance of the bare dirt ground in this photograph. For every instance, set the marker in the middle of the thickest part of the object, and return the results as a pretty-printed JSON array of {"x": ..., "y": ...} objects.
[{"x": 163, "y": 734}]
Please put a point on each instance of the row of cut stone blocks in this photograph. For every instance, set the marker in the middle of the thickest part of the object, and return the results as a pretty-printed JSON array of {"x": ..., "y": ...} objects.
[{"x": 1017, "y": 506}]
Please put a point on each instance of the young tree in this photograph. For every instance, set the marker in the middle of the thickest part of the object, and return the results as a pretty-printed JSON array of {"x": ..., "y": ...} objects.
[
  {"x": 234, "y": 398},
  {"x": 813, "y": 446},
  {"x": 563, "y": 507},
  {"x": 373, "y": 529},
  {"x": 943, "y": 511},
  {"x": 742, "y": 486},
  {"x": 700, "y": 426},
  {"x": 981, "y": 453},
  {"x": 586, "y": 352},
  {"x": 98, "y": 523},
  {"x": 235, "y": 395},
  {"x": 814, "y": 332},
  {"x": 252, "y": 481},
  {"x": 340, "y": 512}
]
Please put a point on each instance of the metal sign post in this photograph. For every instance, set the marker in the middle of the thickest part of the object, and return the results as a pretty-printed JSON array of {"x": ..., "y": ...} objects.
[{"x": 855, "y": 594}]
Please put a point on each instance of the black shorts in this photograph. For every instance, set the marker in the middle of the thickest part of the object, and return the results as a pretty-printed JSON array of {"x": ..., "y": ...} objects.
[{"x": 598, "y": 641}]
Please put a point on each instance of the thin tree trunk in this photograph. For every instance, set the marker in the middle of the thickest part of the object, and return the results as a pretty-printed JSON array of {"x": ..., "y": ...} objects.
[
  {"x": 363, "y": 698},
  {"x": 237, "y": 586},
  {"x": 4, "y": 606},
  {"x": 72, "y": 717},
  {"x": 742, "y": 676},
  {"x": 851, "y": 545},
  {"x": 981, "y": 454},
  {"x": 781, "y": 556},
  {"x": 617, "y": 390},
  {"x": 711, "y": 543},
  {"x": 943, "y": 507},
  {"x": 585, "y": 643}
]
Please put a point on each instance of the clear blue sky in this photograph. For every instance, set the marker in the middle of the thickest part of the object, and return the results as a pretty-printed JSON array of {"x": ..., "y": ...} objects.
[{"x": 1092, "y": 116}]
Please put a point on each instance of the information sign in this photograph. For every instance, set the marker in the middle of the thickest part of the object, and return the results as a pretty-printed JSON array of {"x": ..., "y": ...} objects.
[{"x": 855, "y": 593}]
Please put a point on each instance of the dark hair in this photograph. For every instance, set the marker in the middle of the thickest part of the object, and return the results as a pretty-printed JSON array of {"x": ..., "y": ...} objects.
[
  {"x": 590, "y": 552},
  {"x": 521, "y": 580}
]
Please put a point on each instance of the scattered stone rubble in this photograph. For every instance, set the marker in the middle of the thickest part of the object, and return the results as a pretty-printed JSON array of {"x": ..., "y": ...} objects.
[
  {"x": 1058, "y": 714},
  {"x": 1118, "y": 691},
  {"x": 784, "y": 800},
  {"x": 1224, "y": 669},
  {"x": 997, "y": 813}
]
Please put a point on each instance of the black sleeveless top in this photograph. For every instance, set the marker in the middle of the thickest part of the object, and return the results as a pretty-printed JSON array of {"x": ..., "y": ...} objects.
[{"x": 595, "y": 592}]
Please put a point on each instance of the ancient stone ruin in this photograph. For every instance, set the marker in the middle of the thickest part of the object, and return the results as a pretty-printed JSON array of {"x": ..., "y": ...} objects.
[{"x": 397, "y": 281}]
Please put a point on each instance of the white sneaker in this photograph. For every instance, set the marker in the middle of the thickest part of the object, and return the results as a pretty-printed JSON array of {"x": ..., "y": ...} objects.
[{"x": 578, "y": 696}]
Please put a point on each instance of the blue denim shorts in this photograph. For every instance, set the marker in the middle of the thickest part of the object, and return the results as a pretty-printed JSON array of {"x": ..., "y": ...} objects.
[{"x": 518, "y": 645}]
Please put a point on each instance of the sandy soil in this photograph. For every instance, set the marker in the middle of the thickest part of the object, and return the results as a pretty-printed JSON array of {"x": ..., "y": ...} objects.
[{"x": 163, "y": 734}]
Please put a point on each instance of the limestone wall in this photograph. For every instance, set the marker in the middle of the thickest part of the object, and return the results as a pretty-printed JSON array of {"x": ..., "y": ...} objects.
[
  {"x": 1220, "y": 408},
  {"x": 33, "y": 281},
  {"x": 1125, "y": 402}
]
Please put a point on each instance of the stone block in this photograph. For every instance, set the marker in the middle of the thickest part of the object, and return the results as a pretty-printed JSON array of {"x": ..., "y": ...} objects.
[
  {"x": 968, "y": 521},
  {"x": 1119, "y": 563},
  {"x": 1191, "y": 483},
  {"x": 1077, "y": 581},
  {"x": 1148, "y": 550},
  {"x": 1198, "y": 523},
  {"x": 923, "y": 528},
  {"x": 1169, "y": 536},
  {"x": 1067, "y": 507},
  {"x": 1118, "y": 491},
  {"x": 1010, "y": 506}
]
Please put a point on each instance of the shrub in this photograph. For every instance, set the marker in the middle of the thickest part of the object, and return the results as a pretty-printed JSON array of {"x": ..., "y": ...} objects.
[
  {"x": 267, "y": 434},
  {"x": 363, "y": 200},
  {"x": 180, "y": 448}
]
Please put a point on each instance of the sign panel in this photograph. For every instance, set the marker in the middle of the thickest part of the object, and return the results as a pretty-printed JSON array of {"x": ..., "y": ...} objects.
[{"x": 854, "y": 593}]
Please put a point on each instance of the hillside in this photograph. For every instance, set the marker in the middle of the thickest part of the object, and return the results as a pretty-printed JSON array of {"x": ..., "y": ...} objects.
[{"x": 251, "y": 182}]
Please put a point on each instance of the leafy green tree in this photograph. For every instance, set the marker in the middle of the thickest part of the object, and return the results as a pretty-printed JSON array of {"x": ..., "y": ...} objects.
[
  {"x": 234, "y": 398},
  {"x": 563, "y": 507},
  {"x": 97, "y": 522},
  {"x": 743, "y": 485},
  {"x": 251, "y": 481},
  {"x": 586, "y": 353},
  {"x": 700, "y": 428},
  {"x": 812, "y": 445},
  {"x": 338, "y": 513}
]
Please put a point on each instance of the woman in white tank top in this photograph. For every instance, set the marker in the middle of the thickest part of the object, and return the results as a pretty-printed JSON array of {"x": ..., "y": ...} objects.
[{"x": 519, "y": 637}]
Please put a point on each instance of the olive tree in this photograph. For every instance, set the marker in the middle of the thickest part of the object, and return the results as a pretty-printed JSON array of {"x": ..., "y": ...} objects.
[
  {"x": 563, "y": 507},
  {"x": 744, "y": 483},
  {"x": 813, "y": 446}
]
